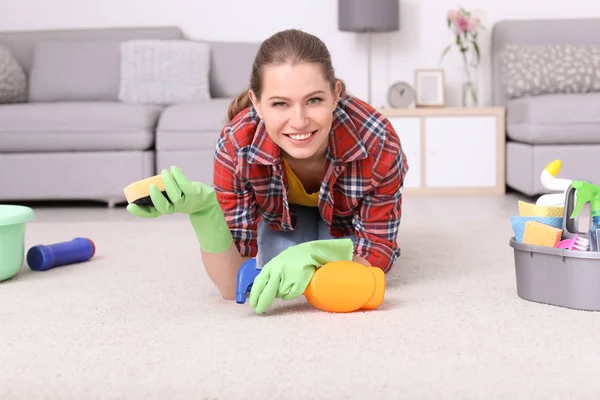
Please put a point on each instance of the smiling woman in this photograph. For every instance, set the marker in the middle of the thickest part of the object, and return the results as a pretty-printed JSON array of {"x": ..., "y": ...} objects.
[{"x": 299, "y": 162}]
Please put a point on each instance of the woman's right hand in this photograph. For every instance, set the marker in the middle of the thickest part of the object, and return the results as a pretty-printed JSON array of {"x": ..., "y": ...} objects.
[{"x": 183, "y": 196}]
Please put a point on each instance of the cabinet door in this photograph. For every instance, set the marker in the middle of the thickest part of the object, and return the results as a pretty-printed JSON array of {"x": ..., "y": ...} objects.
[
  {"x": 409, "y": 132},
  {"x": 461, "y": 151}
]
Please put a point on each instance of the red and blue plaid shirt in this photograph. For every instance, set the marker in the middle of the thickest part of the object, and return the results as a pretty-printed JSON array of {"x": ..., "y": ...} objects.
[{"x": 361, "y": 193}]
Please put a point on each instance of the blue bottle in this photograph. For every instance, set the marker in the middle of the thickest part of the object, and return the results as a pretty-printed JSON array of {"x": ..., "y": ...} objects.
[
  {"x": 588, "y": 192},
  {"x": 42, "y": 257},
  {"x": 595, "y": 232}
]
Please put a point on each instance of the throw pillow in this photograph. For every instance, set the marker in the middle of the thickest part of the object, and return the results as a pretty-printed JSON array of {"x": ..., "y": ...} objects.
[
  {"x": 13, "y": 81},
  {"x": 164, "y": 72},
  {"x": 531, "y": 70}
]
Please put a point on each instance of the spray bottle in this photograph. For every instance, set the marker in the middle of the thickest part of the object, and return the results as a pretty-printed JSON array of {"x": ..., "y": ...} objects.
[{"x": 588, "y": 192}]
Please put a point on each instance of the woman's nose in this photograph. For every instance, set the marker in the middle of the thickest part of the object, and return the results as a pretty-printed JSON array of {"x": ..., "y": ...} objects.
[{"x": 299, "y": 119}]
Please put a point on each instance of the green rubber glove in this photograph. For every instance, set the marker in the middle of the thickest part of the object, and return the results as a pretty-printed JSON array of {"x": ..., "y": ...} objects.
[
  {"x": 288, "y": 274},
  {"x": 196, "y": 199}
]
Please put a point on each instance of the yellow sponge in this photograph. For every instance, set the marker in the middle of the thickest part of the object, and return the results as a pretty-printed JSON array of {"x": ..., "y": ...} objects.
[
  {"x": 139, "y": 192},
  {"x": 533, "y": 210},
  {"x": 539, "y": 234}
]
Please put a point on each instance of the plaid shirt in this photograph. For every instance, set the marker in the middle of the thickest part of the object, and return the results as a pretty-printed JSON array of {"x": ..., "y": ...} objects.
[{"x": 361, "y": 193}]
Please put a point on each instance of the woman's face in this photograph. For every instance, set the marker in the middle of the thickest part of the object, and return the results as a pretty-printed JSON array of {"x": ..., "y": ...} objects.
[{"x": 297, "y": 107}]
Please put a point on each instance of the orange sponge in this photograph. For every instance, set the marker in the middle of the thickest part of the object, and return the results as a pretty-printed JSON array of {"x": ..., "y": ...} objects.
[{"x": 539, "y": 234}]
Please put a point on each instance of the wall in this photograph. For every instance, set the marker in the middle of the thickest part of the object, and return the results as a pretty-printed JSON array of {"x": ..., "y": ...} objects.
[{"x": 418, "y": 44}]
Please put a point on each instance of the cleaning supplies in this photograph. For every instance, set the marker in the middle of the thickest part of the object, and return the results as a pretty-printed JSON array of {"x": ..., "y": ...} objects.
[
  {"x": 539, "y": 234},
  {"x": 519, "y": 223},
  {"x": 550, "y": 182},
  {"x": 587, "y": 192},
  {"x": 13, "y": 222},
  {"x": 177, "y": 194},
  {"x": 287, "y": 275},
  {"x": 577, "y": 243},
  {"x": 139, "y": 192},
  {"x": 533, "y": 210},
  {"x": 44, "y": 257},
  {"x": 337, "y": 286}
]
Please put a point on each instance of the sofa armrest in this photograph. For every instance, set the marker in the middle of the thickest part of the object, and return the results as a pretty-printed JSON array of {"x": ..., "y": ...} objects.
[{"x": 230, "y": 67}]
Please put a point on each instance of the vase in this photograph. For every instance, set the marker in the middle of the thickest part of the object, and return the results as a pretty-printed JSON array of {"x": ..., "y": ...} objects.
[
  {"x": 470, "y": 96},
  {"x": 470, "y": 87}
]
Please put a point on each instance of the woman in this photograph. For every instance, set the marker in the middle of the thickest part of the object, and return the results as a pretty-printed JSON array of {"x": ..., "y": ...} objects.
[{"x": 314, "y": 162}]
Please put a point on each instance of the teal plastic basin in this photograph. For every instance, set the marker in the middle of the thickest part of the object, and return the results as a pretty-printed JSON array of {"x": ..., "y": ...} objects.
[{"x": 13, "y": 219}]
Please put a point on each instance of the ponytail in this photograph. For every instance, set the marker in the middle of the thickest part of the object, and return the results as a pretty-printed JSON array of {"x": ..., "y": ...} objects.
[{"x": 241, "y": 102}]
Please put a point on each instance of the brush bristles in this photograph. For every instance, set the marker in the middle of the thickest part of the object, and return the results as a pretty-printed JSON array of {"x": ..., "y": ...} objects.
[{"x": 581, "y": 244}]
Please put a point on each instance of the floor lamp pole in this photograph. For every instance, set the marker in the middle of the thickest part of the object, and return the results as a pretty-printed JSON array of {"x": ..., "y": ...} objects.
[{"x": 370, "y": 56}]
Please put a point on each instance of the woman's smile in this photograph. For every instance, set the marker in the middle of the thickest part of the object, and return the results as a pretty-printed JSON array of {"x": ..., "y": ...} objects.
[{"x": 301, "y": 137}]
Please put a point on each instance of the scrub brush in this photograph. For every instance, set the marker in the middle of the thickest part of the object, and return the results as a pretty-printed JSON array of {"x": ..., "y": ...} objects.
[{"x": 577, "y": 243}]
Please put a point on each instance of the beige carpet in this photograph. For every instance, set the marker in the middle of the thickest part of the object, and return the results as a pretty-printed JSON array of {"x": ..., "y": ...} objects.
[{"x": 142, "y": 321}]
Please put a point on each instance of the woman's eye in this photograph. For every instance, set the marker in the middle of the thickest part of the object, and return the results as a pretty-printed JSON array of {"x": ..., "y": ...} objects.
[
  {"x": 279, "y": 104},
  {"x": 315, "y": 100}
]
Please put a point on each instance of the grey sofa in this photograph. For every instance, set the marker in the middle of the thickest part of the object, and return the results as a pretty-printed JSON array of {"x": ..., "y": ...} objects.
[
  {"x": 547, "y": 126},
  {"x": 74, "y": 140}
]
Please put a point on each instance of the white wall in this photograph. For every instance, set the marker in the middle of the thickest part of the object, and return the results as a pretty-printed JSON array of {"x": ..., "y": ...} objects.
[{"x": 418, "y": 44}]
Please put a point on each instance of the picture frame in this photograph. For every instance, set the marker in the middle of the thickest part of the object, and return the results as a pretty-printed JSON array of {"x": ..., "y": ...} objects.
[{"x": 430, "y": 87}]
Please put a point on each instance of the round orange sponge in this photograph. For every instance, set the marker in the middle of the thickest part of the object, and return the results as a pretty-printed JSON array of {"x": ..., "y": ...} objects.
[{"x": 139, "y": 192}]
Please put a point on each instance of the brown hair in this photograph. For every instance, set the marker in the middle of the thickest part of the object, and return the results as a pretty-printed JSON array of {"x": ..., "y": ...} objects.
[{"x": 288, "y": 46}]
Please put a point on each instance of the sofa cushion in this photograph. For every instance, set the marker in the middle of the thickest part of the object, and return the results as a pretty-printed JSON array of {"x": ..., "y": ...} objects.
[
  {"x": 554, "y": 119},
  {"x": 76, "y": 126},
  {"x": 192, "y": 126},
  {"x": 164, "y": 71},
  {"x": 531, "y": 70},
  {"x": 230, "y": 67},
  {"x": 75, "y": 70},
  {"x": 13, "y": 82}
]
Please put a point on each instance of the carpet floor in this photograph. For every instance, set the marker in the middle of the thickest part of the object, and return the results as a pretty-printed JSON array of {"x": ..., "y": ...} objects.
[{"x": 141, "y": 320}]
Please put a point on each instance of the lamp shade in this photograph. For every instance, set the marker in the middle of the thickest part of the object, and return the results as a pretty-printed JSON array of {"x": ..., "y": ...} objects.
[{"x": 368, "y": 15}]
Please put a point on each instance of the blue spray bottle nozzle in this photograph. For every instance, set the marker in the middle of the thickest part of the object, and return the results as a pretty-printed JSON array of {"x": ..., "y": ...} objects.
[{"x": 245, "y": 278}]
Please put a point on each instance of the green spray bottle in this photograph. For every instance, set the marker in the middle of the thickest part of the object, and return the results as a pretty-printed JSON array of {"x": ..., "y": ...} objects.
[{"x": 587, "y": 192}]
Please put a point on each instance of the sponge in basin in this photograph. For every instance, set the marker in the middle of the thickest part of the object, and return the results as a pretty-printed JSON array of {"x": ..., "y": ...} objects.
[
  {"x": 533, "y": 210},
  {"x": 539, "y": 234},
  {"x": 518, "y": 224}
]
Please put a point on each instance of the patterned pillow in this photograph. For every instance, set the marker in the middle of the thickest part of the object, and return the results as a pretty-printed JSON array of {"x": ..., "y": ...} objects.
[
  {"x": 532, "y": 70},
  {"x": 13, "y": 81},
  {"x": 164, "y": 71}
]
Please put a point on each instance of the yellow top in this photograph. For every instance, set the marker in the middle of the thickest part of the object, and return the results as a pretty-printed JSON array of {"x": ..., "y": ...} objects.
[
  {"x": 297, "y": 194},
  {"x": 554, "y": 167}
]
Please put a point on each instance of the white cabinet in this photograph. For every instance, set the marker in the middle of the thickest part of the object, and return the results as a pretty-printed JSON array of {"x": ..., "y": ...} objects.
[
  {"x": 461, "y": 151},
  {"x": 452, "y": 150}
]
